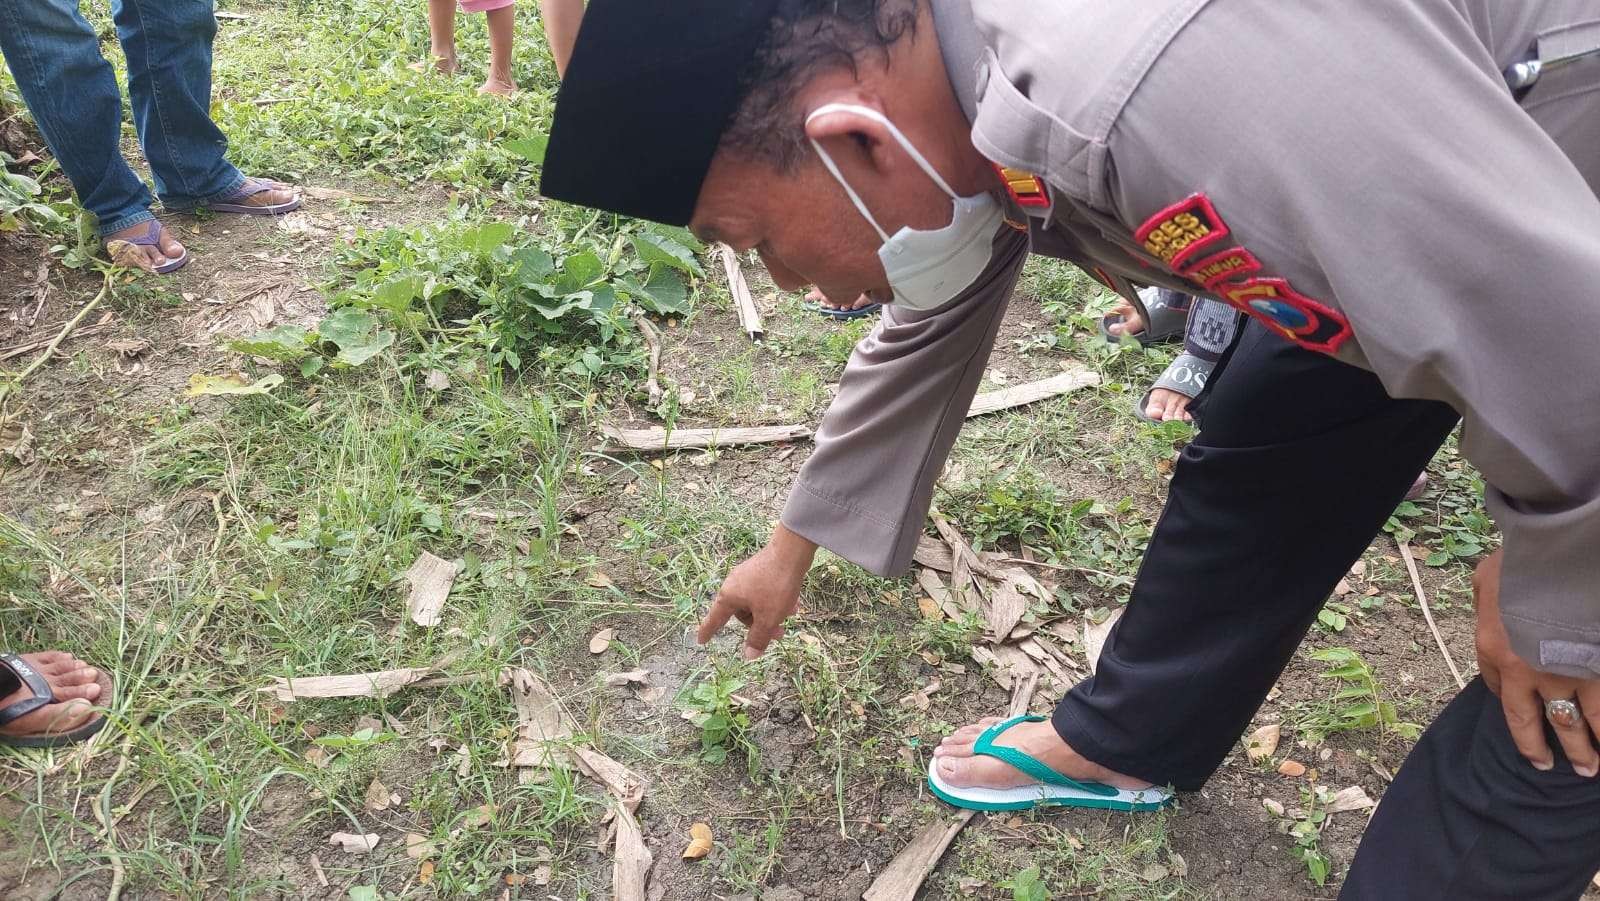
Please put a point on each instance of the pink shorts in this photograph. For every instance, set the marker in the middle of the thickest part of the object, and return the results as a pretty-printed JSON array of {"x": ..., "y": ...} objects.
[{"x": 483, "y": 6}]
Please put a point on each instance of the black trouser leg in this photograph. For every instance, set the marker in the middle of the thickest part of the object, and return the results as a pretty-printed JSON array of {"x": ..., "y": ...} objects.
[
  {"x": 1467, "y": 818},
  {"x": 1299, "y": 462}
]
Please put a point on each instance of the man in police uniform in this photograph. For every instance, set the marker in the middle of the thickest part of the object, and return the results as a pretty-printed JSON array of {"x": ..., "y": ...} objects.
[{"x": 1411, "y": 237}]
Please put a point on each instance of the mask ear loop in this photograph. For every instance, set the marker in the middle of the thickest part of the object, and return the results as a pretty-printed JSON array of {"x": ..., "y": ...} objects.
[
  {"x": 855, "y": 198},
  {"x": 899, "y": 136}
]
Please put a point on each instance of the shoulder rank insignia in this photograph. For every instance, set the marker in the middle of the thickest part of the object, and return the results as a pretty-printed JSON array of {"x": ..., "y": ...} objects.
[
  {"x": 1026, "y": 189},
  {"x": 1180, "y": 232},
  {"x": 1297, "y": 317}
]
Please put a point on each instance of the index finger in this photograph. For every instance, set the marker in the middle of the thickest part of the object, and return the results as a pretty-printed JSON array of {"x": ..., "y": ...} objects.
[{"x": 721, "y": 611}]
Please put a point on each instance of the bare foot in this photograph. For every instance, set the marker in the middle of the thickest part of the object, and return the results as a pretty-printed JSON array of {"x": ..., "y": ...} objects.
[
  {"x": 1132, "y": 323},
  {"x": 1166, "y": 404},
  {"x": 959, "y": 767},
  {"x": 817, "y": 297},
  {"x": 444, "y": 65},
  {"x": 76, "y": 686},
  {"x": 498, "y": 86},
  {"x": 147, "y": 258}
]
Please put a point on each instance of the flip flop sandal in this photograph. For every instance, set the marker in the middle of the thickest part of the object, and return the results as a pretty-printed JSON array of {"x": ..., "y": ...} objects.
[
  {"x": 1052, "y": 789},
  {"x": 128, "y": 252},
  {"x": 1186, "y": 375},
  {"x": 43, "y": 697},
  {"x": 233, "y": 203},
  {"x": 1169, "y": 315},
  {"x": 844, "y": 315}
]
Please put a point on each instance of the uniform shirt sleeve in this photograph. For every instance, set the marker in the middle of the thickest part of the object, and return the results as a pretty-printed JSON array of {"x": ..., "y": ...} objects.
[
  {"x": 865, "y": 491},
  {"x": 1370, "y": 155}
]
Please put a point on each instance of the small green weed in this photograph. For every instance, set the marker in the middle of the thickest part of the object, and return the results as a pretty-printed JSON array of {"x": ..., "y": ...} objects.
[
  {"x": 720, "y": 717},
  {"x": 1357, "y": 704},
  {"x": 1028, "y": 885},
  {"x": 1306, "y": 830}
]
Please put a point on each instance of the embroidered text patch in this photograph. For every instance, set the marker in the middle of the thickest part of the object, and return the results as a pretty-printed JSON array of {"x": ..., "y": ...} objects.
[
  {"x": 1181, "y": 231},
  {"x": 1302, "y": 320},
  {"x": 1228, "y": 265}
]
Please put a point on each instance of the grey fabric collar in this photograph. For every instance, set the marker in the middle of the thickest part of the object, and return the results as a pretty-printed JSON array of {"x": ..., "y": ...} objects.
[{"x": 962, "y": 47}]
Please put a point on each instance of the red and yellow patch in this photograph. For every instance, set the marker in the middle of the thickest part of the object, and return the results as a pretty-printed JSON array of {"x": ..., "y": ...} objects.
[
  {"x": 1026, "y": 189},
  {"x": 1304, "y": 321},
  {"x": 1180, "y": 232},
  {"x": 1228, "y": 265}
]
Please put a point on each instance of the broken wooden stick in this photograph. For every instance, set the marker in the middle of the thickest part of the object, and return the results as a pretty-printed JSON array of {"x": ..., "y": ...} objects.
[
  {"x": 358, "y": 685},
  {"x": 739, "y": 289},
  {"x": 630, "y": 871},
  {"x": 430, "y": 578},
  {"x": 905, "y": 874},
  {"x": 1427, "y": 614},
  {"x": 652, "y": 341},
  {"x": 541, "y": 721},
  {"x": 660, "y": 439},
  {"x": 318, "y": 193},
  {"x": 1032, "y": 392}
]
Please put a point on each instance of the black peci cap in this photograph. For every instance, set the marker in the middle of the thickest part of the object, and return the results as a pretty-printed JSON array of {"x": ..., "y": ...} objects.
[{"x": 651, "y": 86}]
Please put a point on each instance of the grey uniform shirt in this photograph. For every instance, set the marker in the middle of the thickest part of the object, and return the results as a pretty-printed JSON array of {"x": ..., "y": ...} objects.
[{"x": 1354, "y": 173}]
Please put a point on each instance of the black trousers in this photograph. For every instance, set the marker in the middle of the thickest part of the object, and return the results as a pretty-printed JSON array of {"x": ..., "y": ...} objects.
[{"x": 1299, "y": 462}]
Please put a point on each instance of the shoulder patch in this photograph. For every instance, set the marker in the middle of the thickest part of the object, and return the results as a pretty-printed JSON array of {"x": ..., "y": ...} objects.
[
  {"x": 1227, "y": 265},
  {"x": 1178, "y": 234},
  {"x": 1304, "y": 321},
  {"x": 1026, "y": 189}
]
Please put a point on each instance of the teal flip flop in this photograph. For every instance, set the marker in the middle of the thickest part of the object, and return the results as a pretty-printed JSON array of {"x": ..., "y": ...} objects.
[{"x": 1052, "y": 789}]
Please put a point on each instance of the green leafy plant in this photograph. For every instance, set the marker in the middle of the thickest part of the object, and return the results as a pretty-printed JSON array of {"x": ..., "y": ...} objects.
[
  {"x": 353, "y": 336},
  {"x": 21, "y": 202},
  {"x": 1306, "y": 830},
  {"x": 1356, "y": 704},
  {"x": 724, "y": 726},
  {"x": 1028, "y": 885},
  {"x": 519, "y": 294},
  {"x": 1334, "y": 616}
]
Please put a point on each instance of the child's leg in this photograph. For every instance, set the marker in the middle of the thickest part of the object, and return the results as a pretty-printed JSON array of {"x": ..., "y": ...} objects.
[
  {"x": 561, "y": 20},
  {"x": 502, "y": 28},
  {"x": 441, "y": 36}
]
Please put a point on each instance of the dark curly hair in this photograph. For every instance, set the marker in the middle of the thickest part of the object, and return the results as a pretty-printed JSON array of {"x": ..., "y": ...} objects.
[{"x": 808, "y": 37}]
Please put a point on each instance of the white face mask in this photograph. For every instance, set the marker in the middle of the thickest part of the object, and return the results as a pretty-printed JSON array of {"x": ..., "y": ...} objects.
[{"x": 926, "y": 269}]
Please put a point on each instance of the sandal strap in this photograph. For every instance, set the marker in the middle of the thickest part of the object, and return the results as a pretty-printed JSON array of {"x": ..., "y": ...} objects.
[
  {"x": 150, "y": 238},
  {"x": 30, "y": 677},
  {"x": 1028, "y": 764},
  {"x": 251, "y": 187},
  {"x": 1186, "y": 375}
]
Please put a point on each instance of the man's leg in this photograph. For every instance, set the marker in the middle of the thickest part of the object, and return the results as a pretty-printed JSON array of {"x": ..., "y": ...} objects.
[
  {"x": 168, "y": 45},
  {"x": 1299, "y": 462},
  {"x": 1467, "y": 818},
  {"x": 72, "y": 93}
]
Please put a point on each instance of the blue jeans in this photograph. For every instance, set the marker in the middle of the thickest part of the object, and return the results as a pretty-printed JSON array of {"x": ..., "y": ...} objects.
[{"x": 55, "y": 57}]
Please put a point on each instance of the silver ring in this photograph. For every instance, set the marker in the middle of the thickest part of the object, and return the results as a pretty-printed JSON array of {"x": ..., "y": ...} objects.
[{"x": 1563, "y": 713}]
